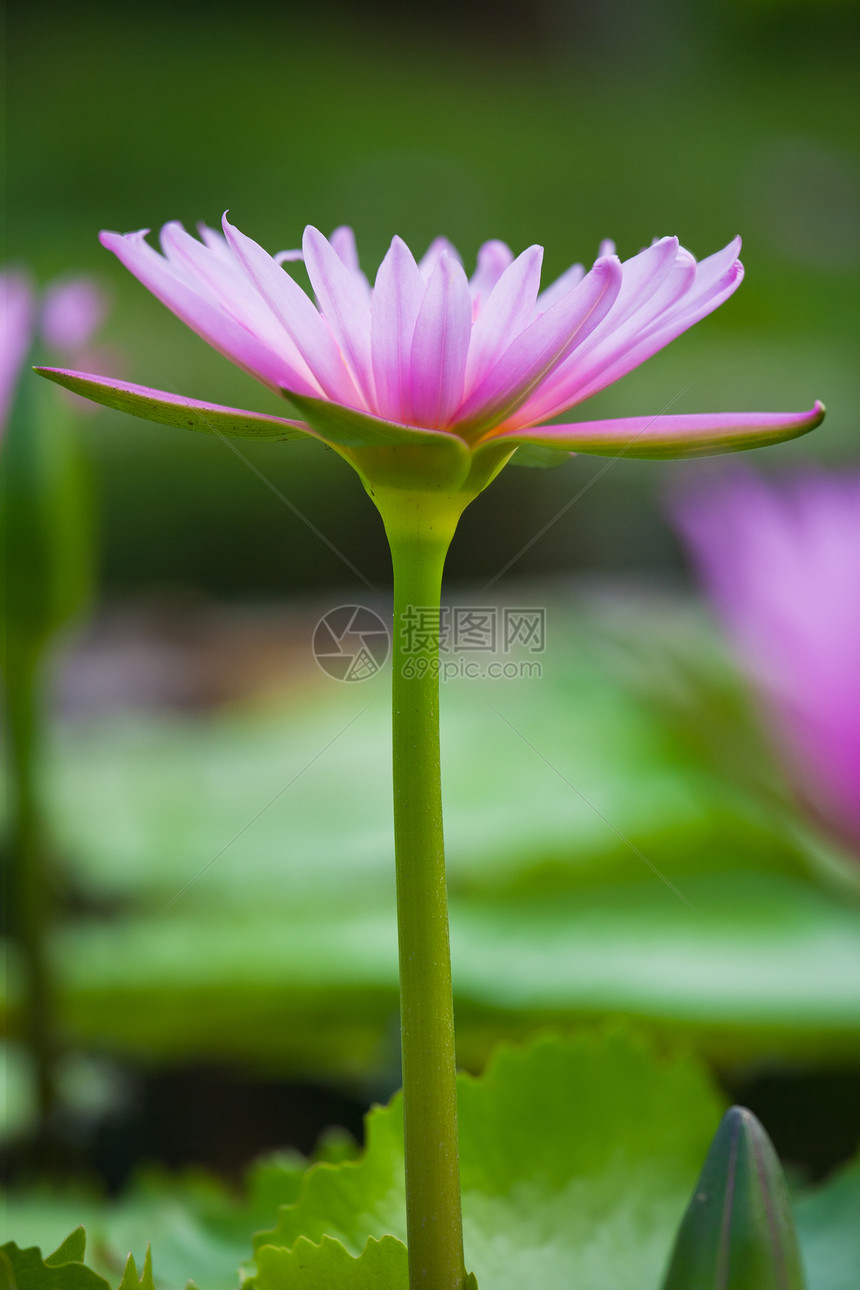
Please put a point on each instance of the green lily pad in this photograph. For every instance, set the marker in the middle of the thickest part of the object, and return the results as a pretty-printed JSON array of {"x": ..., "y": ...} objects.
[
  {"x": 197, "y": 1229},
  {"x": 63, "y": 1270},
  {"x": 754, "y": 963},
  {"x": 576, "y": 1158},
  {"x": 382, "y": 1265},
  {"x": 828, "y": 1224},
  {"x": 130, "y": 1279},
  {"x": 600, "y": 863}
]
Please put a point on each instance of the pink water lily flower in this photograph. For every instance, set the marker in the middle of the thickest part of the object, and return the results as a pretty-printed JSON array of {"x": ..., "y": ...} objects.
[
  {"x": 782, "y": 564},
  {"x": 17, "y": 309},
  {"x": 472, "y": 367},
  {"x": 66, "y": 318}
]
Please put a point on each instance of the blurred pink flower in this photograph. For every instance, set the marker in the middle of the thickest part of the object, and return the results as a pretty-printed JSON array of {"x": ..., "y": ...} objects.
[
  {"x": 486, "y": 359},
  {"x": 17, "y": 310},
  {"x": 70, "y": 313},
  {"x": 782, "y": 565}
]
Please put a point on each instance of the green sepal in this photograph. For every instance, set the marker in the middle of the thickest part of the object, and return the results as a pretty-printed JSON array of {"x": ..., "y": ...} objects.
[
  {"x": 350, "y": 428},
  {"x": 738, "y": 1231},
  {"x": 665, "y": 437},
  {"x": 171, "y": 409},
  {"x": 535, "y": 456},
  {"x": 393, "y": 457}
]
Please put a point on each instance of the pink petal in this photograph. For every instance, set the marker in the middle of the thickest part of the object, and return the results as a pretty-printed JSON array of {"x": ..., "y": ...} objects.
[
  {"x": 715, "y": 279},
  {"x": 397, "y": 297},
  {"x": 717, "y": 274},
  {"x": 664, "y": 292},
  {"x": 493, "y": 258},
  {"x": 215, "y": 240},
  {"x": 556, "y": 290},
  {"x": 438, "y": 247},
  {"x": 648, "y": 285},
  {"x": 343, "y": 244},
  {"x": 537, "y": 349},
  {"x": 295, "y": 311},
  {"x": 783, "y": 566},
  {"x": 440, "y": 345},
  {"x": 345, "y": 306},
  {"x": 507, "y": 311},
  {"x": 17, "y": 309},
  {"x": 214, "y": 271},
  {"x": 174, "y": 409},
  {"x": 676, "y": 435},
  {"x": 202, "y": 312}
]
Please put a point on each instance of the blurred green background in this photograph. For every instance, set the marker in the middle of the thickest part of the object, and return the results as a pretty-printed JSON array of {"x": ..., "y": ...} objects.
[{"x": 190, "y": 699}]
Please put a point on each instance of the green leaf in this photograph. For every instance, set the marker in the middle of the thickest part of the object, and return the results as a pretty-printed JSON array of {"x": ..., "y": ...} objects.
[
  {"x": 71, "y": 1250},
  {"x": 27, "y": 1270},
  {"x": 557, "y": 911},
  {"x": 197, "y": 1228},
  {"x": 197, "y": 1231},
  {"x": 738, "y": 1232},
  {"x": 758, "y": 963},
  {"x": 829, "y": 1230},
  {"x": 382, "y": 1265},
  {"x": 130, "y": 1280},
  {"x": 576, "y": 1155}
]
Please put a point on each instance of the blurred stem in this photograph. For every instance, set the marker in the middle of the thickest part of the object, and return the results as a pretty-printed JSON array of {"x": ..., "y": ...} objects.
[
  {"x": 29, "y": 885},
  {"x": 420, "y": 530}
]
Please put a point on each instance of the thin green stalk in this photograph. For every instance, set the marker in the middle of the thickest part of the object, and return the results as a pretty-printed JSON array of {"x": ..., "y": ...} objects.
[
  {"x": 29, "y": 886},
  {"x": 434, "y": 1223}
]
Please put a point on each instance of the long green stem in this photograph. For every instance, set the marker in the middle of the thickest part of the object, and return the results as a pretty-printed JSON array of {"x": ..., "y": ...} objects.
[
  {"x": 434, "y": 1223},
  {"x": 28, "y": 878}
]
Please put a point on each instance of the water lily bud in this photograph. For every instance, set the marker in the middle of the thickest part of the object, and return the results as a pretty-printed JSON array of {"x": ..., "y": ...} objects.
[{"x": 738, "y": 1231}]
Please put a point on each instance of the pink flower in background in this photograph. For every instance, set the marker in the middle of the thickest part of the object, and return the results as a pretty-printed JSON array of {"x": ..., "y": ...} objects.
[
  {"x": 70, "y": 313},
  {"x": 486, "y": 359},
  {"x": 17, "y": 311},
  {"x": 782, "y": 565}
]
